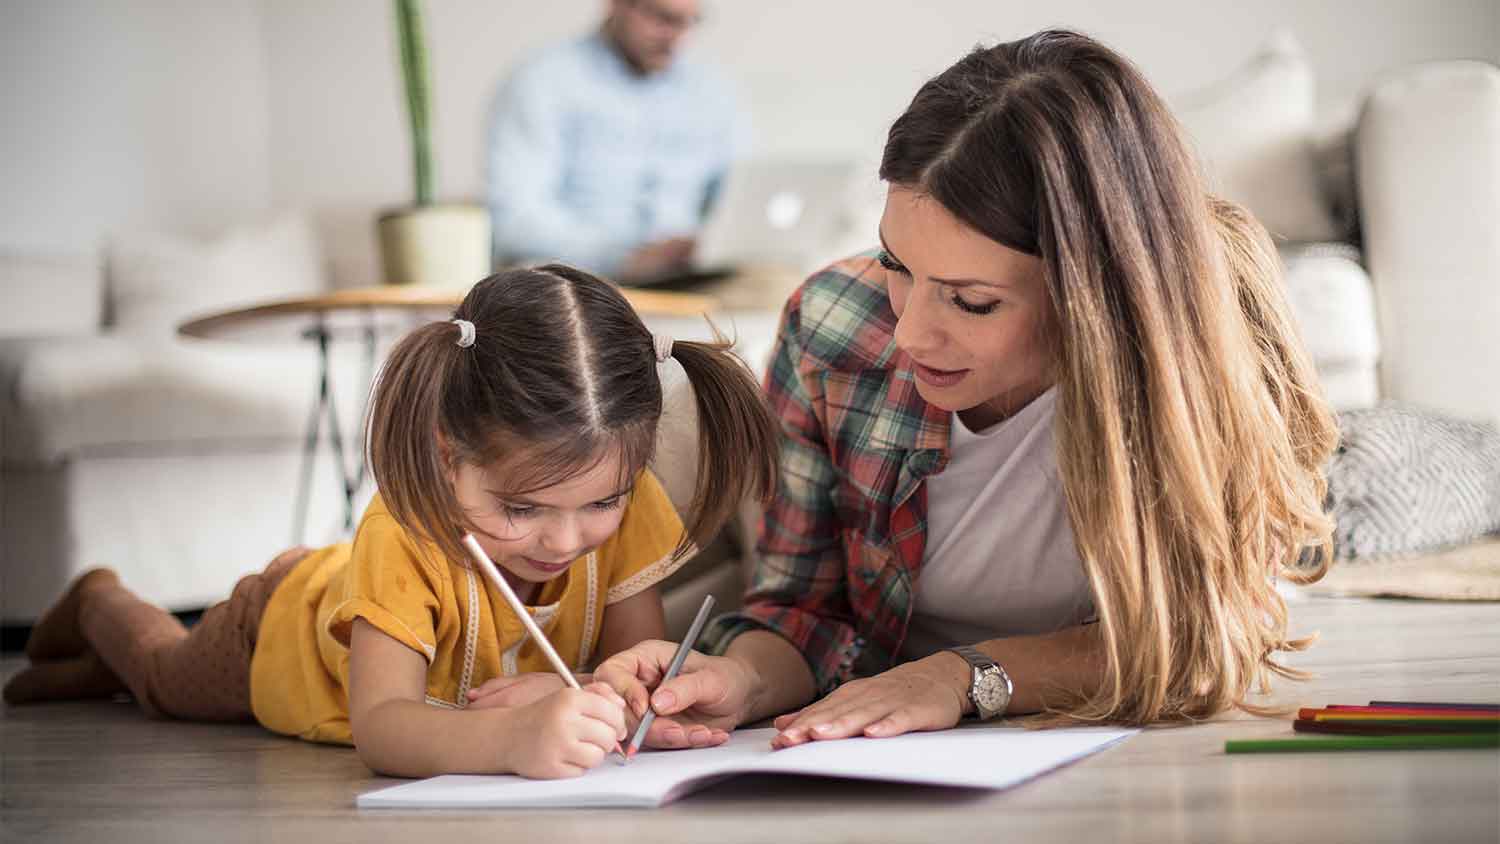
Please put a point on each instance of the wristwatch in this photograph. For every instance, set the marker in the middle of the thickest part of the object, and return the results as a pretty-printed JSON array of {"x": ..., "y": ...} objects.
[{"x": 989, "y": 686}]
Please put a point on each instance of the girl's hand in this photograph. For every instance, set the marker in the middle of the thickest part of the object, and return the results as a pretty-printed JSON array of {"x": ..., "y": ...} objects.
[
  {"x": 915, "y": 696},
  {"x": 565, "y": 733},
  {"x": 706, "y": 700},
  {"x": 518, "y": 690}
]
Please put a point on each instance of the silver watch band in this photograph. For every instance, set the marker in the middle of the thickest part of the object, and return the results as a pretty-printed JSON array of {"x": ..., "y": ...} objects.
[{"x": 990, "y": 687}]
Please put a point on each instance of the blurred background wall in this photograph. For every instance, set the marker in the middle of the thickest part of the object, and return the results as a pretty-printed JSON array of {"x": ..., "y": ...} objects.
[{"x": 122, "y": 113}]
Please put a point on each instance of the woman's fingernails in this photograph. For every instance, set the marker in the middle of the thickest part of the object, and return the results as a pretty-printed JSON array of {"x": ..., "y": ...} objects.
[
  {"x": 823, "y": 729},
  {"x": 663, "y": 700}
]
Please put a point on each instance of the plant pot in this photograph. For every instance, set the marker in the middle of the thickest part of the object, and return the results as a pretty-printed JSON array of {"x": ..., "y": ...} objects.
[{"x": 444, "y": 246}]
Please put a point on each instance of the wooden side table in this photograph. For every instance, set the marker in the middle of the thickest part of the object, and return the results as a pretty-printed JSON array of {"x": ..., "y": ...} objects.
[{"x": 367, "y": 314}]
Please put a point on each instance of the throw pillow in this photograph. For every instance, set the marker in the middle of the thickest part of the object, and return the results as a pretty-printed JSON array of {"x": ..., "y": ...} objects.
[
  {"x": 1407, "y": 481},
  {"x": 1253, "y": 134},
  {"x": 158, "y": 280}
]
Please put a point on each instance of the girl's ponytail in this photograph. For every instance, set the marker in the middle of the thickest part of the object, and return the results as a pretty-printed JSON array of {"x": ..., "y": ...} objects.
[
  {"x": 402, "y": 430},
  {"x": 738, "y": 438}
]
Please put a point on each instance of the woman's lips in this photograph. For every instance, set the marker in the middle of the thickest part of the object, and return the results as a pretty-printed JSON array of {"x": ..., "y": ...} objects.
[{"x": 939, "y": 377}]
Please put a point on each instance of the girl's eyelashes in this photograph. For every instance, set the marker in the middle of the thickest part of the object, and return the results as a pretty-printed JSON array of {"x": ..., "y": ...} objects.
[
  {"x": 521, "y": 511},
  {"x": 889, "y": 262}
]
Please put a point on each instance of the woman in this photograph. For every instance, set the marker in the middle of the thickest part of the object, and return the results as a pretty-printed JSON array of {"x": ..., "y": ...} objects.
[{"x": 1063, "y": 417}]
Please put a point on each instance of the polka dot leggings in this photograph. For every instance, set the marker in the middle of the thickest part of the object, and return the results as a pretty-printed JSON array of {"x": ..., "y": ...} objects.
[{"x": 201, "y": 674}]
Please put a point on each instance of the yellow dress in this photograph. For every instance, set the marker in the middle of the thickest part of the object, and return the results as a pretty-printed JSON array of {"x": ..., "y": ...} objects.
[{"x": 442, "y": 609}]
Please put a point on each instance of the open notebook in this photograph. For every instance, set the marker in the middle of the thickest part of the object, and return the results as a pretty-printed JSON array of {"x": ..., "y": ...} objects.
[{"x": 971, "y": 757}]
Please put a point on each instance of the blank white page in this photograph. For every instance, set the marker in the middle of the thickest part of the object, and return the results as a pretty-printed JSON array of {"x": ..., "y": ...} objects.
[{"x": 974, "y": 757}]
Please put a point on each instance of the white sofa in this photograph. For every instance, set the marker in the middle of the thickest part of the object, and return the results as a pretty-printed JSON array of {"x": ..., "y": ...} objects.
[
  {"x": 176, "y": 461},
  {"x": 173, "y": 460}
]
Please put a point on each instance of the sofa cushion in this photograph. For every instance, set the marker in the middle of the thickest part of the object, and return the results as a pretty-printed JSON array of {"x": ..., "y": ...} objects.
[
  {"x": 111, "y": 395},
  {"x": 1253, "y": 132},
  {"x": 1428, "y": 162},
  {"x": 1330, "y": 296},
  {"x": 50, "y": 295},
  {"x": 157, "y": 280}
]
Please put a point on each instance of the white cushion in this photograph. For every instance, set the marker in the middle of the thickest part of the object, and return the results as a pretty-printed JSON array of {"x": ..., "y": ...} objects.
[
  {"x": 50, "y": 296},
  {"x": 1330, "y": 297},
  {"x": 156, "y": 280},
  {"x": 1253, "y": 133},
  {"x": 1428, "y": 163},
  {"x": 1330, "y": 294},
  {"x": 112, "y": 395}
]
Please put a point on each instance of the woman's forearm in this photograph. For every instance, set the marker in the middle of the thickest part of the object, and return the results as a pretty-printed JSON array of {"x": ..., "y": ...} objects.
[
  {"x": 405, "y": 738},
  {"x": 1049, "y": 668},
  {"x": 780, "y": 679}
]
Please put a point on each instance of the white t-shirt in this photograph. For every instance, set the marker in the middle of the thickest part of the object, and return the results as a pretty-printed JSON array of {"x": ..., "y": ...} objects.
[{"x": 1000, "y": 558}]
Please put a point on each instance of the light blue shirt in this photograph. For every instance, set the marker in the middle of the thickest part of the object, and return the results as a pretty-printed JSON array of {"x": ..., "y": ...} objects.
[{"x": 588, "y": 160}]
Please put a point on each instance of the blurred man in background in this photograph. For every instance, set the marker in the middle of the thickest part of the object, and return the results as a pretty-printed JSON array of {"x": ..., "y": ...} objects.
[{"x": 606, "y": 151}]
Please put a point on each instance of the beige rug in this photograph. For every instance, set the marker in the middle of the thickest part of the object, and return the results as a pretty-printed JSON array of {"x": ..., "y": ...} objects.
[{"x": 1466, "y": 573}]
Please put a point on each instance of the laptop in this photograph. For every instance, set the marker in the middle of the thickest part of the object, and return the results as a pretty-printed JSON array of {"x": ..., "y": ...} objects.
[{"x": 770, "y": 212}]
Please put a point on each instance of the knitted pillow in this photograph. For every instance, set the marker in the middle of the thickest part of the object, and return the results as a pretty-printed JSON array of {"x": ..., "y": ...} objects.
[{"x": 1406, "y": 480}]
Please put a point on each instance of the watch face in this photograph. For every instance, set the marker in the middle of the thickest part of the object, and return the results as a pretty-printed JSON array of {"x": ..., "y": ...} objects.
[{"x": 990, "y": 694}]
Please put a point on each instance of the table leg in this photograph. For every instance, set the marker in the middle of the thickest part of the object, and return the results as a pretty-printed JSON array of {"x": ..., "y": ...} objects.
[{"x": 319, "y": 334}]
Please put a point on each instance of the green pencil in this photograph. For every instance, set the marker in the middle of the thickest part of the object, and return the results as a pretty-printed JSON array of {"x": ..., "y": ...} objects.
[{"x": 1436, "y": 741}]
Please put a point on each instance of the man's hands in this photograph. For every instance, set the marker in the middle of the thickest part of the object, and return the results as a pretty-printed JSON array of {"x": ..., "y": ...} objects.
[{"x": 656, "y": 258}]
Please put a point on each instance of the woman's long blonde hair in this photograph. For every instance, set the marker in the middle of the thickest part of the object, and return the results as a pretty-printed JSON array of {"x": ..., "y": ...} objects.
[{"x": 1191, "y": 430}]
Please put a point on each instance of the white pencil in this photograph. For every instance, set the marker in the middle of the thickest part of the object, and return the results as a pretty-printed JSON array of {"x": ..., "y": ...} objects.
[{"x": 487, "y": 566}]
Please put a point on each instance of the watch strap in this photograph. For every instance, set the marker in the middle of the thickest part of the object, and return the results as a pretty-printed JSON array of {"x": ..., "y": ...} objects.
[{"x": 981, "y": 663}]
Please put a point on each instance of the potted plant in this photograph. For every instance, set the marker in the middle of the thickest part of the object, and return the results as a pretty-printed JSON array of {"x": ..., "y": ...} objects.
[{"x": 427, "y": 243}]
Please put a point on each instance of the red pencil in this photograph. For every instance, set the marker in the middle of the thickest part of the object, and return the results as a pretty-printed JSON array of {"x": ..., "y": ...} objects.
[
  {"x": 1422, "y": 705},
  {"x": 1358, "y": 713}
]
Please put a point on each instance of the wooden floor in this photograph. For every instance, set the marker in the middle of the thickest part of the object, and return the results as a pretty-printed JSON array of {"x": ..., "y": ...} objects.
[{"x": 101, "y": 772}]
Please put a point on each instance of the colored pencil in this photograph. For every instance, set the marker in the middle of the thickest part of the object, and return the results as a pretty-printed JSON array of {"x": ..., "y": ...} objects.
[
  {"x": 1402, "y": 716},
  {"x": 1429, "y": 710},
  {"x": 1391, "y": 727},
  {"x": 1412, "y": 715},
  {"x": 1339, "y": 743},
  {"x": 678, "y": 658},
  {"x": 1420, "y": 705},
  {"x": 488, "y": 568}
]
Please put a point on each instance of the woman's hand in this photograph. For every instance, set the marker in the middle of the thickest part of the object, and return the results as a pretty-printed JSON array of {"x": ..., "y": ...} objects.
[
  {"x": 915, "y": 696},
  {"x": 698, "y": 708},
  {"x": 519, "y": 690},
  {"x": 565, "y": 733}
]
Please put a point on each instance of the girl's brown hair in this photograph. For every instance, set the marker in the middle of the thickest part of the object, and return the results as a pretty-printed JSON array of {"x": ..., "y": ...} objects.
[
  {"x": 1191, "y": 429},
  {"x": 561, "y": 374}
]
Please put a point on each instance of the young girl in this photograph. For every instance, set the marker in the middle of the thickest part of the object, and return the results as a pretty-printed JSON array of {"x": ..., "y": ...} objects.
[
  {"x": 527, "y": 420},
  {"x": 1053, "y": 442}
]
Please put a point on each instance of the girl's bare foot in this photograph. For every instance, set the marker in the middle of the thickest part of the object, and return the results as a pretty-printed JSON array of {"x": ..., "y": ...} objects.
[
  {"x": 57, "y": 634},
  {"x": 78, "y": 678}
]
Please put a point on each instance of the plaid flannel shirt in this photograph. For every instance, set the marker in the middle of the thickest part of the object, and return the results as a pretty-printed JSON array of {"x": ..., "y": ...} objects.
[{"x": 842, "y": 542}]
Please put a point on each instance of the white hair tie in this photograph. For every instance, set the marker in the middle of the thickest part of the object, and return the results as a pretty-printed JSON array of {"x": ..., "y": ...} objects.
[
  {"x": 466, "y": 333},
  {"x": 663, "y": 345}
]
